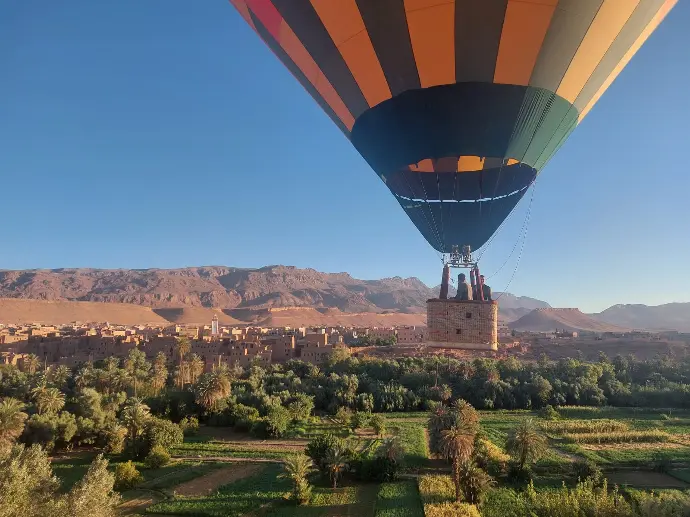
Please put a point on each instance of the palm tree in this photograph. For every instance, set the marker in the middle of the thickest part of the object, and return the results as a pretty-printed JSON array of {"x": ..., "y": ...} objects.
[
  {"x": 183, "y": 347},
  {"x": 85, "y": 376},
  {"x": 213, "y": 387},
  {"x": 391, "y": 449},
  {"x": 31, "y": 363},
  {"x": 134, "y": 416},
  {"x": 12, "y": 420},
  {"x": 465, "y": 416},
  {"x": 48, "y": 400},
  {"x": 336, "y": 464},
  {"x": 525, "y": 443},
  {"x": 60, "y": 375},
  {"x": 457, "y": 445},
  {"x": 297, "y": 468},
  {"x": 196, "y": 368},
  {"x": 182, "y": 374},
  {"x": 159, "y": 374},
  {"x": 439, "y": 420},
  {"x": 474, "y": 482}
]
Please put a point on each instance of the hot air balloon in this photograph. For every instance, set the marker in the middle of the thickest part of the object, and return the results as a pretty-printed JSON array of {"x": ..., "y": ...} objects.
[{"x": 457, "y": 105}]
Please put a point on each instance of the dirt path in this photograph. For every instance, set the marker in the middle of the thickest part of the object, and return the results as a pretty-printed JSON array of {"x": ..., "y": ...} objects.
[
  {"x": 138, "y": 500},
  {"x": 554, "y": 444},
  {"x": 205, "y": 485},
  {"x": 226, "y": 459}
]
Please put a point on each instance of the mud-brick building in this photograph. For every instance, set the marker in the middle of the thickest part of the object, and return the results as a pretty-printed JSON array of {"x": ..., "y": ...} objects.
[{"x": 471, "y": 325}]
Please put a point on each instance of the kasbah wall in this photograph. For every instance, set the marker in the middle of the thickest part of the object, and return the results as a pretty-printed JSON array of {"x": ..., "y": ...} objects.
[{"x": 462, "y": 324}]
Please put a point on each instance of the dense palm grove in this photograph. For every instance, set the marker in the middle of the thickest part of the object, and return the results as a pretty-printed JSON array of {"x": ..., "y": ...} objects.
[
  {"x": 106, "y": 404},
  {"x": 140, "y": 409}
]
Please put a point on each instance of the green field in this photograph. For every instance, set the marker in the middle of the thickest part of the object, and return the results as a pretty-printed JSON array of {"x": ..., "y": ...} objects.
[
  {"x": 234, "y": 499},
  {"x": 400, "y": 499},
  {"x": 615, "y": 439}
]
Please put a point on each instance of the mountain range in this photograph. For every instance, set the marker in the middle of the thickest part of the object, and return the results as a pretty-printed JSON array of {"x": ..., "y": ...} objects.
[{"x": 273, "y": 292}]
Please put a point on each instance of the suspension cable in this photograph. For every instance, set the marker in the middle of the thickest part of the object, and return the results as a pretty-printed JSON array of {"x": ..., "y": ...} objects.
[
  {"x": 521, "y": 235},
  {"x": 522, "y": 249}
]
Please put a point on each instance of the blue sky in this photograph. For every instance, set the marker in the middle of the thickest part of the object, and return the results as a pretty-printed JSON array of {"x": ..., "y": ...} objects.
[{"x": 165, "y": 134}]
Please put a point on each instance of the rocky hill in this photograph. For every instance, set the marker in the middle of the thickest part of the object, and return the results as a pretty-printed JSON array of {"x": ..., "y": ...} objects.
[
  {"x": 550, "y": 320},
  {"x": 219, "y": 287},
  {"x": 670, "y": 316},
  {"x": 189, "y": 294}
]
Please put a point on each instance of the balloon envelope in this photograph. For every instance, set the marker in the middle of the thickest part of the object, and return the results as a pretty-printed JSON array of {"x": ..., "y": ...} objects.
[{"x": 456, "y": 104}]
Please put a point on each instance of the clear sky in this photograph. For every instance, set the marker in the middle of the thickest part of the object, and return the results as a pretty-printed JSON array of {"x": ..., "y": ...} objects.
[{"x": 164, "y": 133}]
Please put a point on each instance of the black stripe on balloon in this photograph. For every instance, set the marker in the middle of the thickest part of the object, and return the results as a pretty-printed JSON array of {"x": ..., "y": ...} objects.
[
  {"x": 386, "y": 23},
  {"x": 303, "y": 19},
  {"x": 478, "y": 27},
  {"x": 569, "y": 25},
  {"x": 640, "y": 18},
  {"x": 460, "y": 119},
  {"x": 294, "y": 69}
]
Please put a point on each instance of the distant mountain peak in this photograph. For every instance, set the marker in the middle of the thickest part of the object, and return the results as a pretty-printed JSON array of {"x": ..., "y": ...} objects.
[{"x": 228, "y": 287}]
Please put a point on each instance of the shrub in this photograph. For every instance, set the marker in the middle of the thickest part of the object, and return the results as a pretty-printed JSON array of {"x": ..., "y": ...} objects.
[
  {"x": 244, "y": 417},
  {"x": 585, "y": 499},
  {"x": 378, "y": 468},
  {"x": 378, "y": 424},
  {"x": 126, "y": 476},
  {"x": 518, "y": 474},
  {"x": 343, "y": 416},
  {"x": 360, "y": 419},
  {"x": 259, "y": 428},
  {"x": 585, "y": 469},
  {"x": 319, "y": 448},
  {"x": 50, "y": 430},
  {"x": 670, "y": 503},
  {"x": 112, "y": 439},
  {"x": 277, "y": 421},
  {"x": 451, "y": 510},
  {"x": 549, "y": 413},
  {"x": 300, "y": 407},
  {"x": 161, "y": 433},
  {"x": 157, "y": 457},
  {"x": 190, "y": 426}
]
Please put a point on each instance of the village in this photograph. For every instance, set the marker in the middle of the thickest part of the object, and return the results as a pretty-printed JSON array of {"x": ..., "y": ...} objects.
[{"x": 75, "y": 343}]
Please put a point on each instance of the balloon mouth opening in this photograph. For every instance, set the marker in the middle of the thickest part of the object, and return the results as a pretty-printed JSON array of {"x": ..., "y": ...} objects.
[{"x": 459, "y": 164}]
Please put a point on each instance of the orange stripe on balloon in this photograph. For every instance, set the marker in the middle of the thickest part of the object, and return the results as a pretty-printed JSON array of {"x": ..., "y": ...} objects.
[
  {"x": 269, "y": 16},
  {"x": 651, "y": 27},
  {"x": 299, "y": 54},
  {"x": 470, "y": 163},
  {"x": 524, "y": 29},
  {"x": 426, "y": 165},
  {"x": 431, "y": 24},
  {"x": 345, "y": 25}
]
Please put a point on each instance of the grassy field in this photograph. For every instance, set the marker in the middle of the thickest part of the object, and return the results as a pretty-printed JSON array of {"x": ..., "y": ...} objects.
[
  {"x": 234, "y": 499},
  {"x": 412, "y": 435},
  {"x": 350, "y": 501},
  {"x": 71, "y": 470},
  {"x": 219, "y": 449},
  {"x": 399, "y": 500}
]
